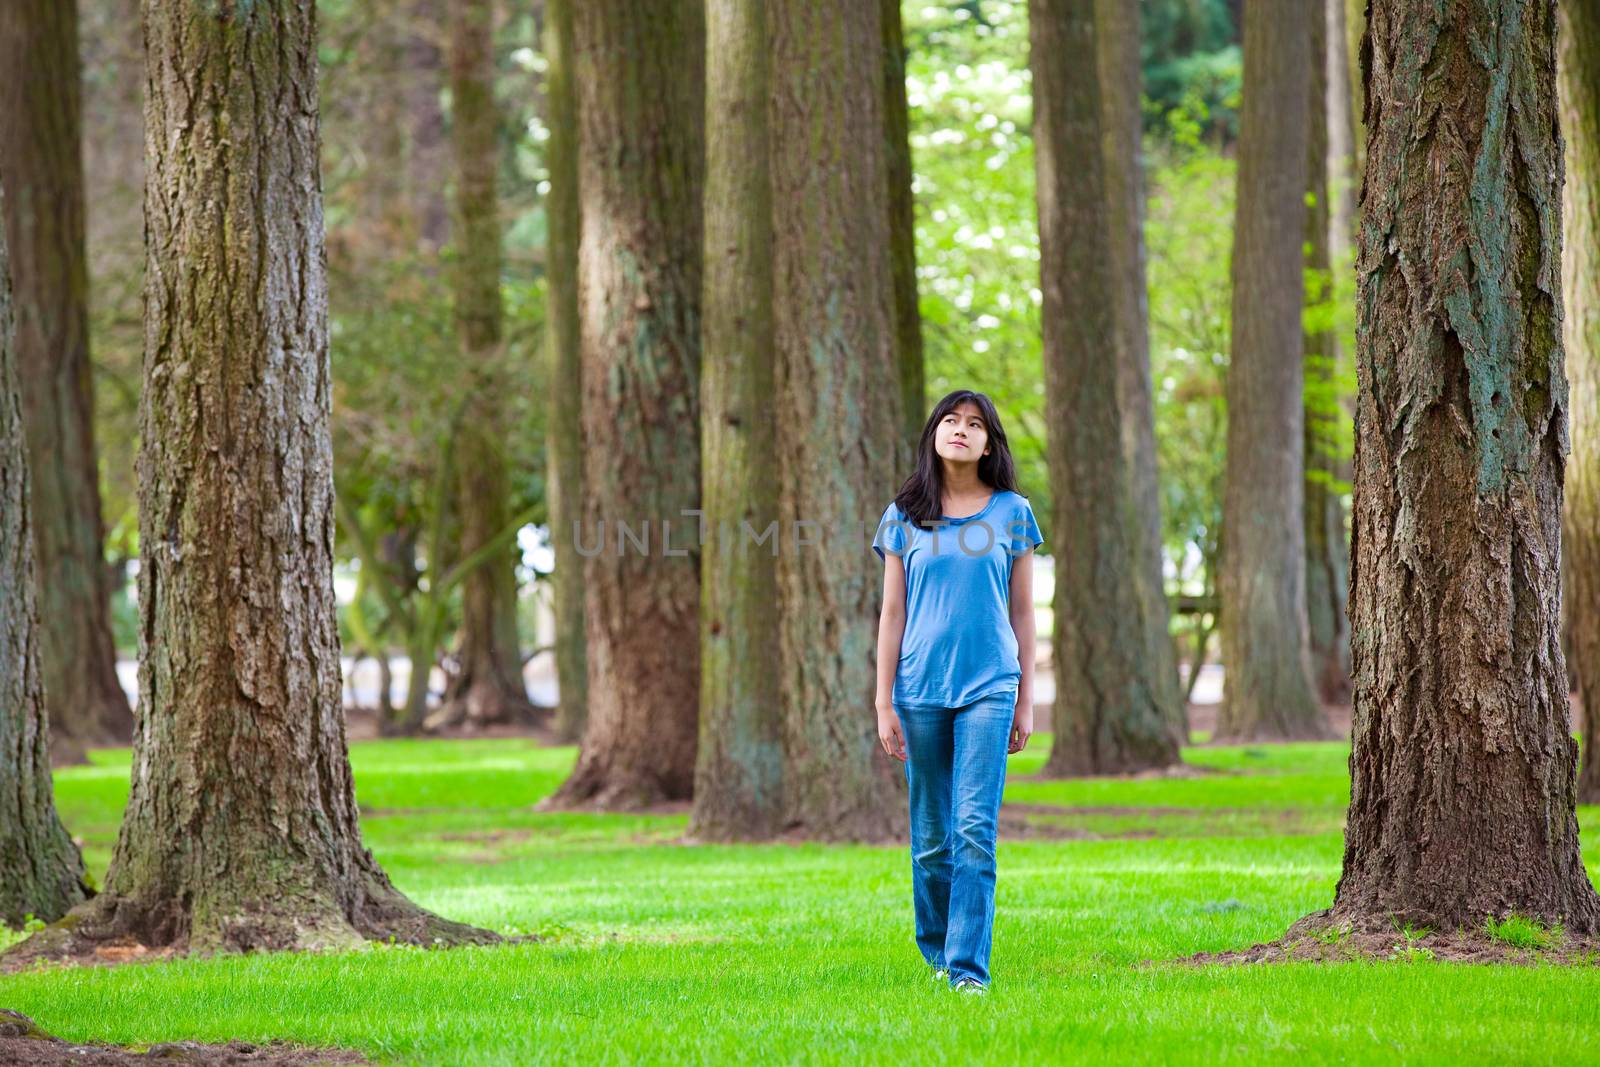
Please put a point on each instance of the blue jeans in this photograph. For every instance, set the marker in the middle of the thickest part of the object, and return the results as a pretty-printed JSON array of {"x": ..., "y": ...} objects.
[{"x": 956, "y": 770}]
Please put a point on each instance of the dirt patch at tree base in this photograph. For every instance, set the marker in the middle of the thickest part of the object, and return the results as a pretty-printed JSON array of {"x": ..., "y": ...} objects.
[
  {"x": 23, "y": 1042},
  {"x": 1317, "y": 939}
]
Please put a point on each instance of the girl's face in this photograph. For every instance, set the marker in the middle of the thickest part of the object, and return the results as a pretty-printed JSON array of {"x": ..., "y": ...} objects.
[{"x": 961, "y": 436}]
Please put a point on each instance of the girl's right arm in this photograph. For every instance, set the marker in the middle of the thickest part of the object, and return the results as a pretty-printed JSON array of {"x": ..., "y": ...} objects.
[{"x": 891, "y": 628}]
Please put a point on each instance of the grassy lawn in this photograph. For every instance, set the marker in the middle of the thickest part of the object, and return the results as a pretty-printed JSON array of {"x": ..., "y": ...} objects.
[{"x": 656, "y": 951}]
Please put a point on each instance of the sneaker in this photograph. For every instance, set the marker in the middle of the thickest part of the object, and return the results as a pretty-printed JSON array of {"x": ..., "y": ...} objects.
[
  {"x": 940, "y": 974},
  {"x": 970, "y": 985}
]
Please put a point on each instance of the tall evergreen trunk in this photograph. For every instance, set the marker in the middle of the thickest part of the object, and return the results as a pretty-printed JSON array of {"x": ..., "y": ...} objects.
[
  {"x": 739, "y": 772},
  {"x": 639, "y": 69},
  {"x": 902, "y": 234},
  {"x": 41, "y": 873},
  {"x": 1117, "y": 28},
  {"x": 428, "y": 155},
  {"x": 838, "y": 408},
  {"x": 564, "y": 437},
  {"x": 241, "y": 828},
  {"x": 1342, "y": 111},
  {"x": 1262, "y": 580},
  {"x": 1463, "y": 774},
  {"x": 1579, "y": 71},
  {"x": 1327, "y": 559},
  {"x": 1109, "y": 714},
  {"x": 487, "y": 686},
  {"x": 42, "y": 164}
]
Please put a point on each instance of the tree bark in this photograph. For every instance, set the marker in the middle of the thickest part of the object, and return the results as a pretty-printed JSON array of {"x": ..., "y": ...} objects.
[
  {"x": 1327, "y": 560},
  {"x": 1262, "y": 580},
  {"x": 1111, "y": 713},
  {"x": 42, "y": 164},
  {"x": 487, "y": 686},
  {"x": 1579, "y": 72},
  {"x": 241, "y": 828},
  {"x": 564, "y": 439},
  {"x": 902, "y": 234},
  {"x": 639, "y": 70},
  {"x": 1117, "y": 31},
  {"x": 739, "y": 773},
  {"x": 839, "y": 399},
  {"x": 1463, "y": 772},
  {"x": 41, "y": 873},
  {"x": 428, "y": 162}
]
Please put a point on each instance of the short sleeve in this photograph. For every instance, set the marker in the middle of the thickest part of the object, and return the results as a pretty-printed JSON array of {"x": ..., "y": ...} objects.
[
  {"x": 1024, "y": 529},
  {"x": 891, "y": 535}
]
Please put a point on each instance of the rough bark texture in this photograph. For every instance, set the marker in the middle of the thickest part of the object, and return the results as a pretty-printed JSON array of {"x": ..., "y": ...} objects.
[
  {"x": 1327, "y": 557},
  {"x": 41, "y": 873},
  {"x": 241, "y": 830},
  {"x": 739, "y": 772},
  {"x": 1262, "y": 579},
  {"x": 639, "y": 69},
  {"x": 1117, "y": 28},
  {"x": 1109, "y": 714},
  {"x": 487, "y": 685},
  {"x": 1580, "y": 121},
  {"x": 839, "y": 420},
  {"x": 42, "y": 164},
  {"x": 1463, "y": 772},
  {"x": 564, "y": 438},
  {"x": 902, "y": 234}
]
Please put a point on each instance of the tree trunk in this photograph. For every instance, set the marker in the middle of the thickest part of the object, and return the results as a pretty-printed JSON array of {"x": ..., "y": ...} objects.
[
  {"x": 564, "y": 439},
  {"x": 487, "y": 686},
  {"x": 1580, "y": 119},
  {"x": 111, "y": 46},
  {"x": 1327, "y": 561},
  {"x": 639, "y": 70},
  {"x": 902, "y": 234},
  {"x": 1262, "y": 584},
  {"x": 1342, "y": 109},
  {"x": 839, "y": 398},
  {"x": 1462, "y": 770},
  {"x": 739, "y": 772},
  {"x": 1111, "y": 712},
  {"x": 427, "y": 171},
  {"x": 241, "y": 829},
  {"x": 1117, "y": 29},
  {"x": 42, "y": 164},
  {"x": 41, "y": 873}
]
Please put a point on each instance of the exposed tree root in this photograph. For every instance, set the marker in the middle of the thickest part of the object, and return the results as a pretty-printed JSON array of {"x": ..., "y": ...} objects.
[
  {"x": 1319, "y": 937},
  {"x": 116, "y": 929},
  {"x": 21, "y": 1041},
  {"x": 482, "y": 700}
]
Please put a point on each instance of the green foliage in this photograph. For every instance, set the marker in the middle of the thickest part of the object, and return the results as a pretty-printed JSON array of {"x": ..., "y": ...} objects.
[
  {"x": 1189, "y": 245},
  {"x": 1521, "y": 931},
  {"x": 1410, "y": 948},
  {"x": 1332, "y": 935},
  {"x": 968, "y": 87},
  {"x": 1190, "y": 51}
]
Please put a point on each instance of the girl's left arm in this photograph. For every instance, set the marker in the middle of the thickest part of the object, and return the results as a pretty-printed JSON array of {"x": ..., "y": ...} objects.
[{"x": 1022, "y": 623}]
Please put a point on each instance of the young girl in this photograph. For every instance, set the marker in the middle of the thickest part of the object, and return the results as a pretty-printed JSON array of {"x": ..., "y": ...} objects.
[{"x": 955, "y": 669}]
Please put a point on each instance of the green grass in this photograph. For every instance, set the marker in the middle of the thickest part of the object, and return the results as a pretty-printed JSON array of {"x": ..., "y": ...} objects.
[
  {"x": 1519, "y": 931},
  {"x": 660, "y": 952}
]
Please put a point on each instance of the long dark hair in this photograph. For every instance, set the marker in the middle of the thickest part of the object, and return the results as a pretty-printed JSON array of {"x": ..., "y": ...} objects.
[{"x": 921, "y": 498}]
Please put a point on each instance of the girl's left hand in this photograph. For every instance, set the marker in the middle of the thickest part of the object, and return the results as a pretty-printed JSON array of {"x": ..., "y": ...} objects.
[{"x": 1021, "y": 725}]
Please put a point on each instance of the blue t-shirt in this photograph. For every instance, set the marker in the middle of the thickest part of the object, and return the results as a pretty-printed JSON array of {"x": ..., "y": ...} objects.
[{"x": 958, "y": 643}]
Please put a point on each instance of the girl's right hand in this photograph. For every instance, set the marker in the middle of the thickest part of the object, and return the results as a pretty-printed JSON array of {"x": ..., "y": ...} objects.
[{"x": 890, "y": 736}]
